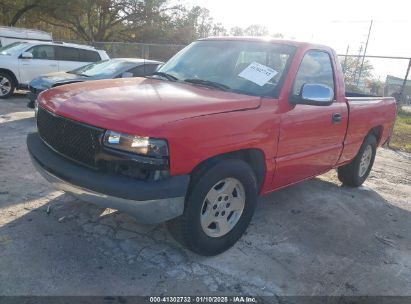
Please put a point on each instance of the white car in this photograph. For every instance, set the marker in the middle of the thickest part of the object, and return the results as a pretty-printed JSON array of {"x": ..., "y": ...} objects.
[{"x": 20, "y": 62}]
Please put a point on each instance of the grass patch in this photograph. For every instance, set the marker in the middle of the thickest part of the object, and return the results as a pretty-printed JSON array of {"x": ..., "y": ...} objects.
[{"x": 401, "y": 137}]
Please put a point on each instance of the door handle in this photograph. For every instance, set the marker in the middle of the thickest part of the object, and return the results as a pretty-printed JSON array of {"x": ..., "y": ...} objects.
[{"x": 336, "y": 118}]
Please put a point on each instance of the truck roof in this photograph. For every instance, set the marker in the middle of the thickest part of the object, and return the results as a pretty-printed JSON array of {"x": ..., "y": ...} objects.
[
  {"x": 23, "y": 33},
  {"x": 268, "y": 39}
]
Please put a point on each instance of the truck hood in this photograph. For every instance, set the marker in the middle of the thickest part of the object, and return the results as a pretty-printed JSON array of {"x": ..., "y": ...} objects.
[{"x": 140, "y": 105}]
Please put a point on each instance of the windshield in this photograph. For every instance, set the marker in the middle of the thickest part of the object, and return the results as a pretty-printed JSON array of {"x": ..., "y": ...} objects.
[
  {"x": 103, "y": 68},
  {"x": 13, "y": 47},
  {"x": 248, "y": 67}
]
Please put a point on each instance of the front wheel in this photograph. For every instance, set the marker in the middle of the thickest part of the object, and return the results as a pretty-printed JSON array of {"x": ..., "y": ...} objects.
[
  {"x": 219, "y": 207},
  {"x": 6, "y": 85},
  {"x": 355, "y": 173}
]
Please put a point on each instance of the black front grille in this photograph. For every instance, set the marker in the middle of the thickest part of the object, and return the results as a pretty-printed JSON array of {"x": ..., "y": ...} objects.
[{"x": 72, "y": 139}]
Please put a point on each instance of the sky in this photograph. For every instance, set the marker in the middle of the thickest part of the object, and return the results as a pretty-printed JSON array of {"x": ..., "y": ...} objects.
[{"x": 339, "y": 24}]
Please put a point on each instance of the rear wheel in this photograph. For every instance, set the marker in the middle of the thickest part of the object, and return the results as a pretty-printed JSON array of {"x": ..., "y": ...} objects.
[
  {"x": 6, "y": 85},
  {"x": 355, "y": 173},
  {"x": 219, "y": 207}
]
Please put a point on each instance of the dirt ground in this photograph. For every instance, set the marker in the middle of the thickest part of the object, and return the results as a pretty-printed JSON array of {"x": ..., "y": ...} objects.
[{"x": 315, "y": 238}]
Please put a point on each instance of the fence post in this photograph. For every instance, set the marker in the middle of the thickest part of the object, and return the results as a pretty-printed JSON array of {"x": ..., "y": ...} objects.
[
  {"x": 404, "y": 83},
  {"x": 113, "y": 50},
  {"x": 345, "y": 60},
  {"x": 146, "y": 51}
]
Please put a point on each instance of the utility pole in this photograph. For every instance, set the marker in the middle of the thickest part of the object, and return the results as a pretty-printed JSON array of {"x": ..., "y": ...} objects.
[
  {"x": 365, "y": 51},
  {"x": 356, "y": 66},
  {"x": 345, "y": 59},
  {"x": 402, "y": 99}
]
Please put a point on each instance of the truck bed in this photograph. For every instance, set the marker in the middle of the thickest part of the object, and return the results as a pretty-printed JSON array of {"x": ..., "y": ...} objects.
[{"x": 363, "y": 113}]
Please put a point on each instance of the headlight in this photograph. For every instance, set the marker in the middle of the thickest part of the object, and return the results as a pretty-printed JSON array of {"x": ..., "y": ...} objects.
[{"x": 136, "y": 144}]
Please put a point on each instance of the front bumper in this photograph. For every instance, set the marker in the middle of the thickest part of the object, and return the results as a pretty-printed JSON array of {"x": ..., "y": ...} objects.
[
  {"x": 149, "y": 202},
  {"x": 32, "y": 96}
]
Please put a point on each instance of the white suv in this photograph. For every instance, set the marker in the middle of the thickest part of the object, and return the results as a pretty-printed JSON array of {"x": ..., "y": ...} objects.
[{"x": 20, "y": 62}]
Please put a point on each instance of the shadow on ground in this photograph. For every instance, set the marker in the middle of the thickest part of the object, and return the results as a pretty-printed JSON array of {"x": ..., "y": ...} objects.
[{"x": 315, "y": 238}]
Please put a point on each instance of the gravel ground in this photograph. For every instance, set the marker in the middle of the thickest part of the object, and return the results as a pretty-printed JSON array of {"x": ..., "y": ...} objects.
[{"x": 315, "y": 238}]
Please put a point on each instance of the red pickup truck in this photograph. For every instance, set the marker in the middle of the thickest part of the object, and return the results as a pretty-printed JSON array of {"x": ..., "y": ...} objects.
[{"x": 222, "y": 122}]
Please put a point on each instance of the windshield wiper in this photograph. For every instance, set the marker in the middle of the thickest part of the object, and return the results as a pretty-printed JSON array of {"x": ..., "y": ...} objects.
[
  {"x": 166, "y": 75},
  {"x": 209, "y": 83}
]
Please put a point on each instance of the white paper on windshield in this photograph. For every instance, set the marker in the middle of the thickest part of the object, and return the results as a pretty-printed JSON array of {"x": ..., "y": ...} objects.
[{"x": 258, "y": 73}]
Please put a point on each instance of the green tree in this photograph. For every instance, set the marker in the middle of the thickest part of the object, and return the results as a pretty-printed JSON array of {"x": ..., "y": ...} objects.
[
  {"x": 351, "y": 68},
  {"x": 237, "y": 31},
  {"x": 277, "y": 35},
  {"x": 256, "y": 30},
  {"x": 13, "y": 10},
  {"x": 156, "y": 21},
  {"x": 90, "y": 20},
  {"x": 253, "y": 30}
]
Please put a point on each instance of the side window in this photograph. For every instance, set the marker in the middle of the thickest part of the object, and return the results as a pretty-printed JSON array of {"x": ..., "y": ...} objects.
[
  {"x": 143, "y": 70},
  {"x": 315, "y": 67},
  {"x": 89, "y": 56},
  {"x": 67, "y": 53},
  {"x": 45, "y": 52}
]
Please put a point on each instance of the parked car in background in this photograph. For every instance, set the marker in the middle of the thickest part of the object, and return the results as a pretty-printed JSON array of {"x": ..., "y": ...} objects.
[
  {"x": 106, "y": 69},
  {"x": 199, "y": 141},
  {"x": 20, "y": 62},
  {"x": 9, "y": 35}
]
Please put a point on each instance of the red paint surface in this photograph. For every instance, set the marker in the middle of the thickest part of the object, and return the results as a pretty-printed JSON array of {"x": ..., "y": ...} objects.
[{"x": 298, "y": 141}]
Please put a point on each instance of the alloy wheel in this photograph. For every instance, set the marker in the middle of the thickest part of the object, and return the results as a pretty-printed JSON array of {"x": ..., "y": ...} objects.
[{"x": 222, "y": 207}]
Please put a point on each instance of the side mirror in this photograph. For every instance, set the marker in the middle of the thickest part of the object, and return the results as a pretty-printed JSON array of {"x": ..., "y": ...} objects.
[
  {"x": 27, "y": 55},
  {"x": 127, "y": 75},
  {"x": 315, "y": 94}
]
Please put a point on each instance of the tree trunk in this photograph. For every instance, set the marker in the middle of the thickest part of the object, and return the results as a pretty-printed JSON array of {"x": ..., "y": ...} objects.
[{"x": 20, "y": 13}]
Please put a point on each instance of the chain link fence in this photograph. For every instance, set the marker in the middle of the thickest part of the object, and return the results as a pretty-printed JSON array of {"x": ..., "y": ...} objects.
[
  {"x": 378, "y": 75},
  {"x": 160, "y": 52}
]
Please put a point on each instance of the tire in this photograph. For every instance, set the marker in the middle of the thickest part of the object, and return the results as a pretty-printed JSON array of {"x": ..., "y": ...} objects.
[
  {"x": 213, "y": 220},
  {"x": 356, "y": 172},
  {"x": 7, "y": 85},
  {"x": 30, "y": 104}
]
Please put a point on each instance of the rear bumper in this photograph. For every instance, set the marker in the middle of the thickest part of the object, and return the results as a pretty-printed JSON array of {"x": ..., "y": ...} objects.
[{"x": 149, "y": 202}]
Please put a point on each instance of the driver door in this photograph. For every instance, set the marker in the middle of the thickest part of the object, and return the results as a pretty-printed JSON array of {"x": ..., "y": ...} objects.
[{"x": 311, "y": 136}]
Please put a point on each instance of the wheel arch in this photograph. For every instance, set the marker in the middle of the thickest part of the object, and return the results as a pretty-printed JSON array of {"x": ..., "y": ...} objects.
[
  {"x": 254, "y": 157},
  {"x": 11, "y": 74},
  {"x": 377, "y": 132}
]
